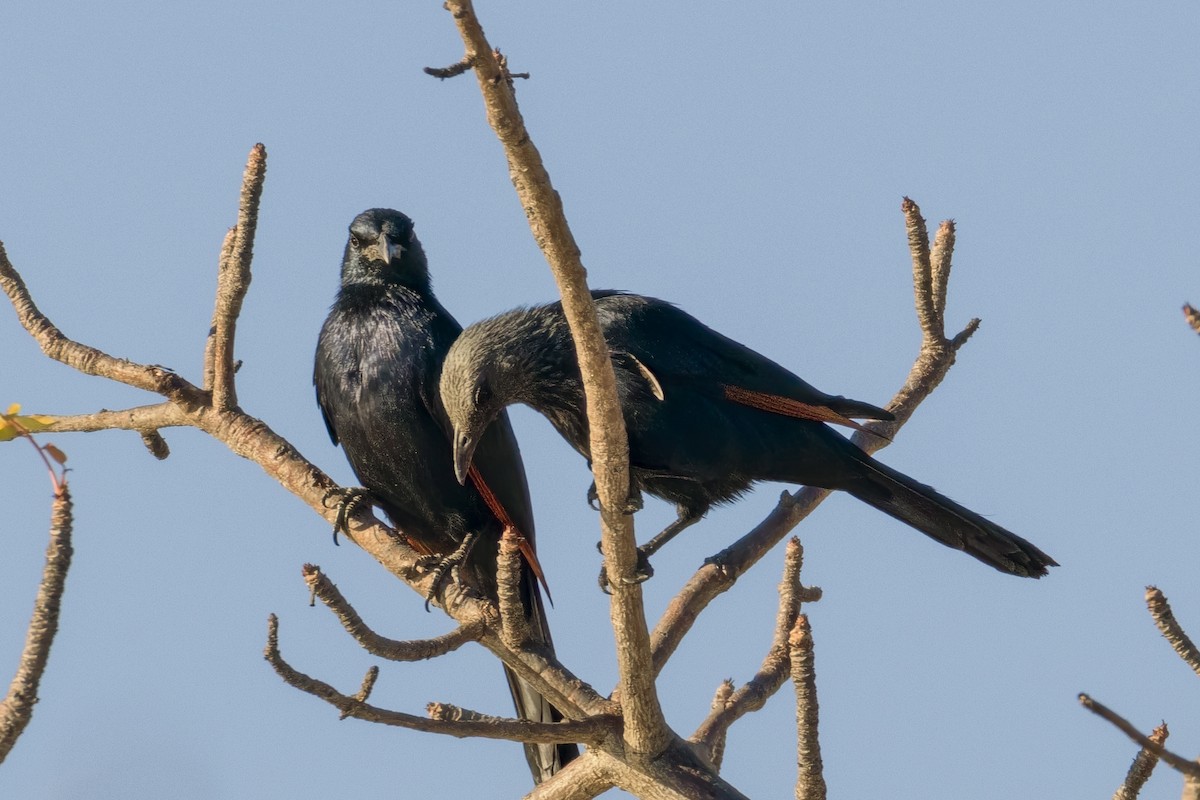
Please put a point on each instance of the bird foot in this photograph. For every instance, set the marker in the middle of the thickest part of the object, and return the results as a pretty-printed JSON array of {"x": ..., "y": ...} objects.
[
  {"x": 641, "y": 573},
  {"x": 632, "y": 505},
  {"x": 439, "y": 566},
  {"x": 350, "y": 500}
]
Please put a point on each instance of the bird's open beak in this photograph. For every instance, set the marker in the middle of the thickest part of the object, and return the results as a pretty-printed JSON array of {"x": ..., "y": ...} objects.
[{"x": 464, "y": 452}]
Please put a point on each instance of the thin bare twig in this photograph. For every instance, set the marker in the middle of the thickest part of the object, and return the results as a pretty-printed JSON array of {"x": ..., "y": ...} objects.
[
  {"x": 223, "y": 259},
  {"x": 1142, "y": 766},
  {"x": 1171, "y": 630},
  {"x": 1186, "y": 766},
  {"x": 775, "y": 667},
  {"x": 88, "y": 360},
  {"x": 645, "y": 731},
  {"x": 939, "y": 271},
  {"x": 514, "y": 625},
  {"x": 372, "y": 642},
  {"x": 720, "y": 702},
  {"x": 16, "y": 709},
  {"x": 934, "y": 360},
  {"x": 810, "y": 780},
  {"x": 233, "y": 280},
  {"x": 590, "y": 731}
]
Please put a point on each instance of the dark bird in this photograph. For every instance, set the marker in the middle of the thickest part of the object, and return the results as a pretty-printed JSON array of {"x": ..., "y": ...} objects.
[
  {"x": 707, "y": 417},
  {"x": 377, "y": 363}
]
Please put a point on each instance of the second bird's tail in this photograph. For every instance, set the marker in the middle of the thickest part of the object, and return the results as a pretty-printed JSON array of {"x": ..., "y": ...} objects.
[{"x": 940, "y": 518}]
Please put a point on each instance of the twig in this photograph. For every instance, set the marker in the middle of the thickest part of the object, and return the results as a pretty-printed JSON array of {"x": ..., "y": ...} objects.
[
  {"x": 720, "y": 702},
  {"x": 589, "y": 731},
  {"x": 1171, "y": 630},
  {"x": 452, "y": 71},
  {"x": 223, "y": 259},
  {"x": 645, "y": 731},
  {"x": 810, "y": 780},
  {"x": 775, "y": 666},
  {"x": 934, "y": 360},
  {"x": 381, "y": 646},
  {"x": 939, "y": 270},
  {"x": 233, "y": 280},
  {"x": 16, "y": 709},
  {"x": 1186, "y": 766},
  {"x": 1142, "y": 766},
  {"x": 514, "y": 626},
  {"x": 88, "y": 360},
  {"x": 582, "y": 779}
]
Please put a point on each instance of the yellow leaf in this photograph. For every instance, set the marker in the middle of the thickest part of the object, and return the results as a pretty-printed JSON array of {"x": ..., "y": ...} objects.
[
  {"x": 12, "y": 426},
  {"x": 56, "y": 454},
  {"x": 13, "y": 410}
]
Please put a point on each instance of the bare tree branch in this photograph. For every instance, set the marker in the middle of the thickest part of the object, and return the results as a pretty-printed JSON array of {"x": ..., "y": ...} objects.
[
  {"x": 223, "y": 259},
  {"x": 775, "y": 668},
  {"x": 720, "y": 702},
  {"x": 1171, "y": 630},
  {"x": 16, "y": 709},
  {"x": 646, "y": 732},
  {"x": 582, "y": 779},
  {"x": 233, "y": 280},
  {"x": 514, "y": 626},
  {"x": 1187, "y": 767},
  {"x": 589, "y": 731},
  {"x": 372, "y": 642},
  {"x": 934, "y": 360},
  {"x": 1142, "y": 766},
  {"x": 810, "y": 780},
  {"x": 87, "y": 360}
]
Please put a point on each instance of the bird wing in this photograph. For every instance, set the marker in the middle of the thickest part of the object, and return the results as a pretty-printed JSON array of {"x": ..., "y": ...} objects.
[{"x": 667, "y": 344}]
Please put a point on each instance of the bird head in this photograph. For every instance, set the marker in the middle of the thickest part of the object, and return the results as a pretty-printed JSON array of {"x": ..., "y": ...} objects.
[
  {"x": 383, "y": 247},
  {"x": 469, "y": 395}
]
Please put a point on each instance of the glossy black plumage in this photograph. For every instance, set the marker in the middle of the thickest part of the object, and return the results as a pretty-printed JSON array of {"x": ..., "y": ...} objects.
[
  {"x": 377, "y": 364},
  {"x": 696, "y": 409}
]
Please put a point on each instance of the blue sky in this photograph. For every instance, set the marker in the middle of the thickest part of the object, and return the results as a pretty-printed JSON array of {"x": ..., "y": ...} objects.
[{"x": 745, "y": 161}]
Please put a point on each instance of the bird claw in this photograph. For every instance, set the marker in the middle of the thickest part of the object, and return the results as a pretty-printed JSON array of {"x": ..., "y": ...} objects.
[
  {"x": 350, "y": 500},
  {"x": 632, "y": 505},
  {"x": 439, "y": 566},
  {"x": 641, "y": 573}
]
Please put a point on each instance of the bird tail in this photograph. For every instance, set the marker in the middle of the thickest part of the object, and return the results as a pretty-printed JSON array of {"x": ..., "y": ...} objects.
[
  {"x": 940, "y": 518},
  {"x": 544, "y": 759}
]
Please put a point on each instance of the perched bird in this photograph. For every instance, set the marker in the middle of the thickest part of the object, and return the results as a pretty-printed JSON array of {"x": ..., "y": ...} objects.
[
  {"x": 377, "y": 363},
  {"x": 707, "y": 417}
]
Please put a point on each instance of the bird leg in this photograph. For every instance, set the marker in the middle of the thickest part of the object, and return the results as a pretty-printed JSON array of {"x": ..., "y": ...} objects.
[
  {"x": 686, "y": 517},
  {"x": 441, "y": 564},
  {"x": 350, "y": 500}
]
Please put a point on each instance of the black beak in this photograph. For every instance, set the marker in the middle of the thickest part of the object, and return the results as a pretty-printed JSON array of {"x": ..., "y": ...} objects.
[{"x": 464, "y": 452}]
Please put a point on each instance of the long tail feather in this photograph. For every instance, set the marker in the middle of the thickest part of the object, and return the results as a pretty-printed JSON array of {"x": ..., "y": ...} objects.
[{"x": 940, "y": 518}]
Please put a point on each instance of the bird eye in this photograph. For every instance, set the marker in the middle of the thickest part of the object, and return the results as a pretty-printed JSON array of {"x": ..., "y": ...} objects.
[
  {"x": 483, "y": 395},
  {"x": 354, "y": 242}
]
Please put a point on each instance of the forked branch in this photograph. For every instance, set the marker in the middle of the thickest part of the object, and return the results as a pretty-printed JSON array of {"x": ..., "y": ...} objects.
[{"x": 931, "y": 274}]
